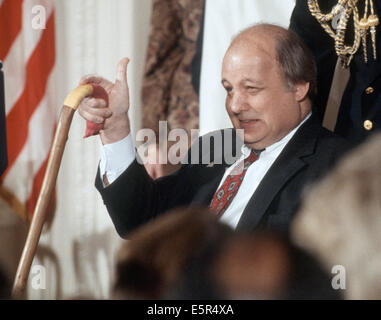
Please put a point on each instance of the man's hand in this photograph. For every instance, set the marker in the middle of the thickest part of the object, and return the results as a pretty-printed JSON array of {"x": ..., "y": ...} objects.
[
  {"x": 153, "y": 166},
  {"x": 115, "y": 117}
]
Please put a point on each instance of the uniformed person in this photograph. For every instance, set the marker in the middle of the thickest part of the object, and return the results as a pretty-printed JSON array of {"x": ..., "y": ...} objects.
[{"x": 359, "y": 114}]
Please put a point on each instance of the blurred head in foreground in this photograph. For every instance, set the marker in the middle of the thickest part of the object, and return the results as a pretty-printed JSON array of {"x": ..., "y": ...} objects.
[
  {"x": 340, "y": 221},
  {"x": 256, "y": 266},
  {"x": 149, "y": 264}
]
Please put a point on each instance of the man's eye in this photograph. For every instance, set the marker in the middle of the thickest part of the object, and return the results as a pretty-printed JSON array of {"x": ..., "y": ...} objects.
[
  {"x": 252, "y": 89},
  {"x": 228, "y": 90}
]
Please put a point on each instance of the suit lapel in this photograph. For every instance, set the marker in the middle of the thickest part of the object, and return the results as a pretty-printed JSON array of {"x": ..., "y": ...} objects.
[
  {"x": 207, "y": 188},
  {"x": 288, "y": 163}
]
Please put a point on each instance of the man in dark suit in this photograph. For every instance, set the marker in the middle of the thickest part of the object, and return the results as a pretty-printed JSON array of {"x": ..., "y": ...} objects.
[{"x": 269, "y": 76}]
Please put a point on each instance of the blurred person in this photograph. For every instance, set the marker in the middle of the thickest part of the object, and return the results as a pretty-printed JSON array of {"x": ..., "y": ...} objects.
[
  {"x": 340, "y": 221},
  {"x": 258, "y": 266},
  {"x": 269, "y": 77},
  {"x": 150, "y": 262}
]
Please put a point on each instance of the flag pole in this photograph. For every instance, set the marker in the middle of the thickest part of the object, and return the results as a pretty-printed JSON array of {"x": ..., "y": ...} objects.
[{"x": 67, "y": 112}]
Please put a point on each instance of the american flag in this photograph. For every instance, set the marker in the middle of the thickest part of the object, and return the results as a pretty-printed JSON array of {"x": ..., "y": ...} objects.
[{"x": 27, "y": 49}]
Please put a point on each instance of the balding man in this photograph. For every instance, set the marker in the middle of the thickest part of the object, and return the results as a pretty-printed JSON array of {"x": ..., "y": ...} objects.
[{"x": 269, "y": 76}]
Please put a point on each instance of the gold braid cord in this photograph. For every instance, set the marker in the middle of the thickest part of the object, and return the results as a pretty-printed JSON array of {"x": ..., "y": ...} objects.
[{"x": 346, "y": 9}]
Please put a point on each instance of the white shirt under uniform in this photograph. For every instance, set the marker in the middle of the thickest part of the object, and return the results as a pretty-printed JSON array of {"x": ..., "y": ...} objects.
[{"x": 117, "y": 157}]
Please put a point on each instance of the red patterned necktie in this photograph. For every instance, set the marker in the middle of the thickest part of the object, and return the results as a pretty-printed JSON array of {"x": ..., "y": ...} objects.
[{"x": 226, "y": 193}]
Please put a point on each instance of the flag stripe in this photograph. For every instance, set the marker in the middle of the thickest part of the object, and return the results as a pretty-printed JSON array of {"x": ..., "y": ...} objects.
[
  {"x": 30, "y": 97},
  {"x": 19, "y": 55},
  {"x": 36, "y": 148},
  {"x": 14, "y": 72},
  {"x": 38, "y": 69},
  {"x": 10, "y": 16}
]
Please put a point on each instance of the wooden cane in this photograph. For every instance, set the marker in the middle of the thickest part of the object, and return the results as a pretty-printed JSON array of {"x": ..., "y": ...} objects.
[{"x": 70, "y": 106}]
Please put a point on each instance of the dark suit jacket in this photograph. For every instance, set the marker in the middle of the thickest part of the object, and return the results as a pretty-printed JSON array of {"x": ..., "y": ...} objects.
[
  {"x": 134, "y": 198},
  {"x": 357, "y": 104}
]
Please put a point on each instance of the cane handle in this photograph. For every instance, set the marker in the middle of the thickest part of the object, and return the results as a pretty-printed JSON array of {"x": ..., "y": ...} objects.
[{"x": 77, "y": 95}]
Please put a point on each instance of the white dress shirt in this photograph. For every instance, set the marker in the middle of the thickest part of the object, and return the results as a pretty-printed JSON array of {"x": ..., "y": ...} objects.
[{"x": 117, "y": 157}]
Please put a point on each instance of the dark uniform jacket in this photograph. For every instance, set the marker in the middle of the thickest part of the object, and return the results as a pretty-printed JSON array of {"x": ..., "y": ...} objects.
[{"x": 362, "y": 97}]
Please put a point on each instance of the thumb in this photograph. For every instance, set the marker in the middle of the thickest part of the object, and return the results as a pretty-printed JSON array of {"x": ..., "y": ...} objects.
[{"x": 121, "y": 71}]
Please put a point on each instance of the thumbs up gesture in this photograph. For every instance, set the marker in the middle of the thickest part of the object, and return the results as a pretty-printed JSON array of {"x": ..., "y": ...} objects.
[{"x": 115, "y": 119}]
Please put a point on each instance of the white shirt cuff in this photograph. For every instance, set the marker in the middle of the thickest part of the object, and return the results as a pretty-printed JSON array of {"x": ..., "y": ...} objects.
[{"x": 116, "y": 158}]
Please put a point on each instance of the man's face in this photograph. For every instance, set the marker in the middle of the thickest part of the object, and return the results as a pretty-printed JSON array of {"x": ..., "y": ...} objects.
[{"x": 257, "y": 99}]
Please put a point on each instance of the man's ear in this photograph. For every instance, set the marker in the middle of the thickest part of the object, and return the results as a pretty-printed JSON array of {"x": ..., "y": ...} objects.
[{"x": 301, "y": 90}]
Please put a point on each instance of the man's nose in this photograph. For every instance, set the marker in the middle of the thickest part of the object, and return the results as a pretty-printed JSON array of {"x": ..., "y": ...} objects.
[{"x": 239, "y": 102}]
